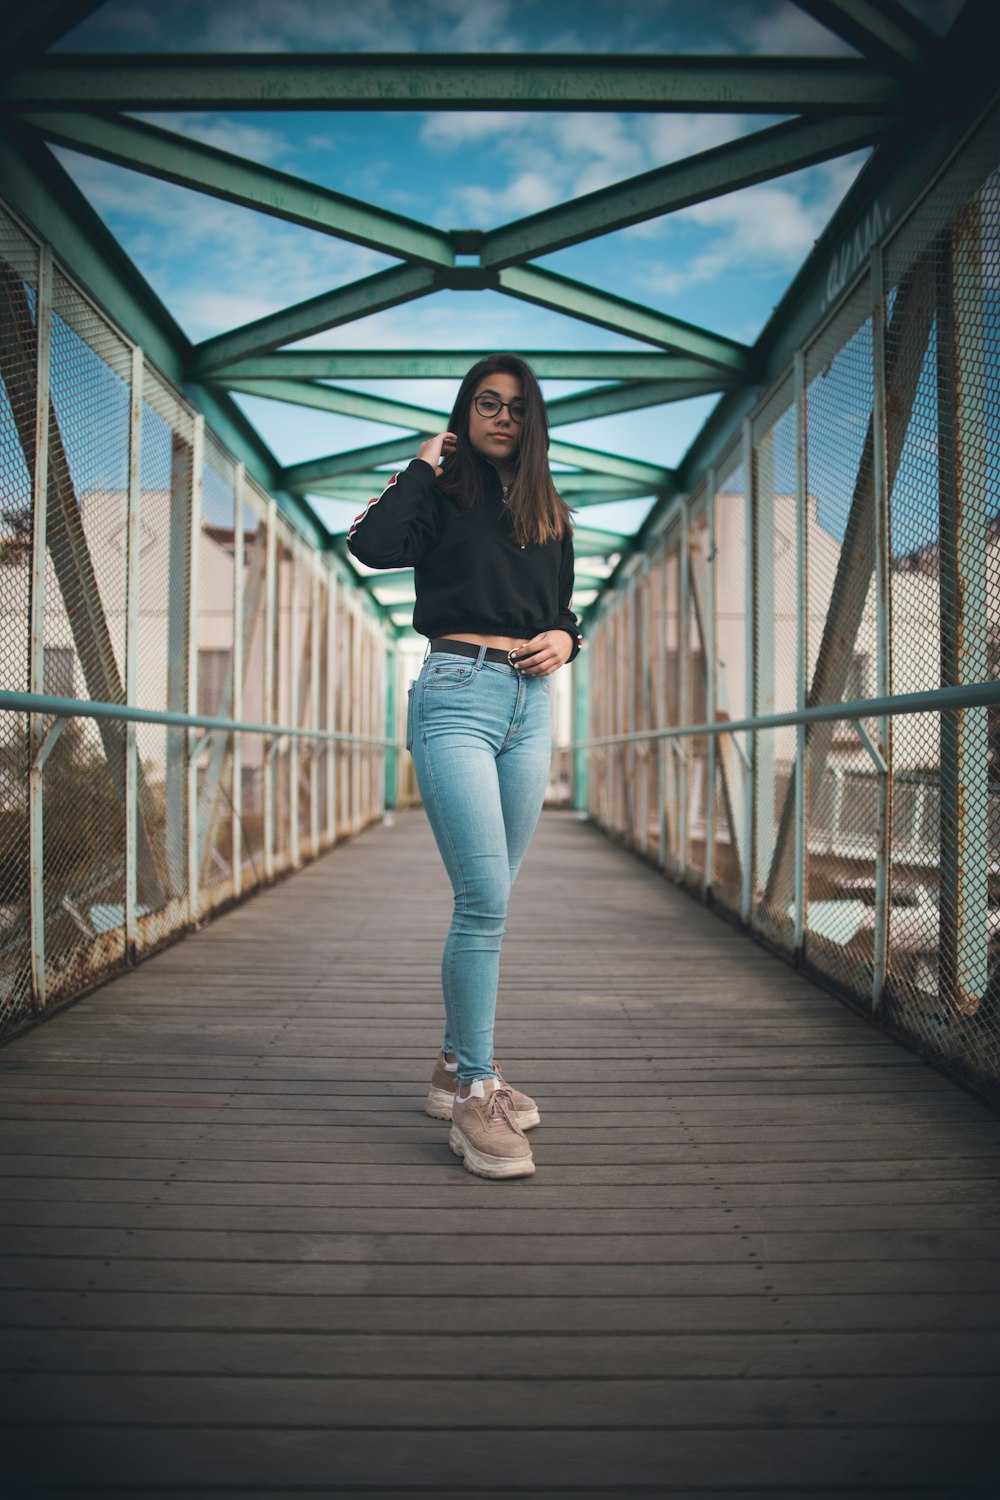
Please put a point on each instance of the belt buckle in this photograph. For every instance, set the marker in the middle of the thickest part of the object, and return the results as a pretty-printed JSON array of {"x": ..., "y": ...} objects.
[{"x": 510, "y": 657}]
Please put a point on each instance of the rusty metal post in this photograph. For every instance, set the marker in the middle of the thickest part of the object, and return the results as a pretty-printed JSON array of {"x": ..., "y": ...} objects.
[
  {"x": 799, "y": 895},
  {"x": 684, "y": 687},
  {"x": 964, "y": 853},
  {"x": 749, "y": 606},
  {"x": 268, "y": 717},
  {"x": 239, "y": 668},
  {"x": 331, "y": 707},
  {"x": 194, "y": 633},
  {"x": 294, "y": 695},
  {"x": 314, "y": 745},
  {"x": 711, "y": 679},
  {"x": 883, "y": 602},
  {"x": 132, "y": 652},
  {"x": 36, "y": 659}
]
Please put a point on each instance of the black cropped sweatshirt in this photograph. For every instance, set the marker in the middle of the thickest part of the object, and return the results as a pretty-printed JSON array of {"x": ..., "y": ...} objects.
[{"x": 469, "y": 574}]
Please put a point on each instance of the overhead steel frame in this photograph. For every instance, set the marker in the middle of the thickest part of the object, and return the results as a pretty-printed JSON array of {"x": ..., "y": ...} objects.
[{"x": 837, "y": 105}]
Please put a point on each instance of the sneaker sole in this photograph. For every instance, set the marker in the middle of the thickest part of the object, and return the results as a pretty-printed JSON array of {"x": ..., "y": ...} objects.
[
  {"x": 488, "y": 1166},
  {"x": 439, "y": 1104}
]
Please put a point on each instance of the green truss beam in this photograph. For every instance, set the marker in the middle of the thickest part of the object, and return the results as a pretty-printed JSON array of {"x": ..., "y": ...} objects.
[
  {"x": 601, "y": 402},
  {"x": 886, "y": 32},
  {"x": 174, "y": 158},
  {"x": 605, "y": 401},
  {"x": 510, "y": 81},
  {"x": 344, "y": 403},
  {"x": 724, "y": 169},
  {"x": 306, "y": 476},
  {"x": 441, "y": 364},
  {"x": 588, "y": 542},
  {"x": 590, "y": 305},
  {"x": 396, "y": 413},
  {"x": 357, "y": 300},
  {"x": 578, "y": 489}
]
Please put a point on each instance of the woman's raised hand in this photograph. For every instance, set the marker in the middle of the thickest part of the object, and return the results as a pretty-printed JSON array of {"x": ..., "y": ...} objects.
[{"x": 435, "y": 448}]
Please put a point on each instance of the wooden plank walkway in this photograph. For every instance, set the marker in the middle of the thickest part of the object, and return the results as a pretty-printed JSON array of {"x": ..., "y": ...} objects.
[{"x": 758, "y": 1257}]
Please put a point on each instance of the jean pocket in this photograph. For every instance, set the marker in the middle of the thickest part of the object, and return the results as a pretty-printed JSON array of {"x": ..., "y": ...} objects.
[
  {"x": 448, "y": 675},
  {"x": 409, "y": 716}
]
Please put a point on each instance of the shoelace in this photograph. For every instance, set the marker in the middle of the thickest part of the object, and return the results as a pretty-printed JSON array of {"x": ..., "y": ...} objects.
[{"x": 501, "y": 1107}]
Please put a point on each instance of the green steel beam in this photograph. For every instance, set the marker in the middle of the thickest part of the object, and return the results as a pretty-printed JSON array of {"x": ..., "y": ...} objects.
[
  {"x": 377, "y": 409},
  {"x": 724, "y": 169},
  {"x": 886, "y": 33},
  {"x": 577, "y": 300},
  {"x": 605, "y": 400},
  {"x": 578, "y": 489},
  {"x": 345, "y": 403},
  {"x": 601, "y": 402},
  {"x": 357, "y": 300},
  {"x": 47, "y": 197},
  {"x": 588, "y": 542},
  {"x": 510, "y": 81},
  {"x": 174, "y": 158},
  {"x": 305, "y": 476},
  {"x": 440, "y": 364}
]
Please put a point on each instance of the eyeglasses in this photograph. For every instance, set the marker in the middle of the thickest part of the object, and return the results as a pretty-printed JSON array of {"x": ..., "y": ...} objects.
[{"x": 491, "y": 406}]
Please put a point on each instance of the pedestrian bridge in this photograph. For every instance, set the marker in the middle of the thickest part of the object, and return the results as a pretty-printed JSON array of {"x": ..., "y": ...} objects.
[{"x": 752, "y": 966}]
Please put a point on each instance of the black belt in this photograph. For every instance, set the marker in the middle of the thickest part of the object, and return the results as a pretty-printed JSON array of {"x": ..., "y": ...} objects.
[{"x": 466, "y": 648}]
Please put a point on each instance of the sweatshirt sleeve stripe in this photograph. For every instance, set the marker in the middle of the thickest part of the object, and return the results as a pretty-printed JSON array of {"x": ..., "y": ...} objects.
[{"x": 359, "y": 518}]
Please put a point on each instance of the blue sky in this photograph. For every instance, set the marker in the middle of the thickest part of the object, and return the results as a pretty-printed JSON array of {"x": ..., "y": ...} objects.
[{"x": 723, "y": 264}]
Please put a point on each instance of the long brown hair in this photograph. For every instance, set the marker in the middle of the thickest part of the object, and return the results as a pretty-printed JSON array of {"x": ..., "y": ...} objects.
[{"x": 537, "y": 511}]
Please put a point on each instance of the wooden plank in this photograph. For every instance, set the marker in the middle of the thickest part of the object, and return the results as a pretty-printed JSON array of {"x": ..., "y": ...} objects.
[
  {"x": 353, "y": 1403},
  {"x": 350, "y": 1460}
]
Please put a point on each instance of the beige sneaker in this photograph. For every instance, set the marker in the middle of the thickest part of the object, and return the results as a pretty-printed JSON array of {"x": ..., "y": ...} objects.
[
  {"x": 444, "y": 1086},
  {"x": 485, "y": 1132}
]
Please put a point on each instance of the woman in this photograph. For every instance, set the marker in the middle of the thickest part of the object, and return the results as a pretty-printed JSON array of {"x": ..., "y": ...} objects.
[{"x": 479, "y": 519}]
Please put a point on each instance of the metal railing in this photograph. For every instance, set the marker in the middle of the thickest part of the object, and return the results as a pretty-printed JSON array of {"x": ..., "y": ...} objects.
[{"x": 205, "y": 691}]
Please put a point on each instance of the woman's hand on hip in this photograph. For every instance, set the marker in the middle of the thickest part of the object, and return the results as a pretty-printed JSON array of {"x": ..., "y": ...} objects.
[
  {"x": 544, "y": 653},
  {"x": 435, "y": 448}
]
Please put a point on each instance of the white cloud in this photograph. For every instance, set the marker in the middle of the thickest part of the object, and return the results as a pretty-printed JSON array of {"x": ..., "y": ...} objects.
[
  {"x": 216, "y": 265},
  {"x": 378, "y": 25},
  {"x": 526, "y": 193},
  {"x": 785, "y": 31},
  {"x": 239, "y": 137},
  {"x": 449, "y": 130},
  {"x": 672, "y": 137},
  {"x": 771, "y": 225}
]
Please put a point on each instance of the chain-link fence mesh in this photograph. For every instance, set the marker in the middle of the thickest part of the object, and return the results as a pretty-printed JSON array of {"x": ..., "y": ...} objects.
[
  {"x": 84, "y": 643},
  {"x": 695, "y": 748},
  {"x": 942, "y": 348},
  {"x": 166, "y": 477},
  {"x": 215, "y": 631},
  {"x": 19, "y": 271},
  {"x": 729, "y": 563},
  {"x": 842, "y": 783},
  {"x": 175, "y": 844},
  {"x": 877, "y": 560},
  {"x": 775, "y": 654}
]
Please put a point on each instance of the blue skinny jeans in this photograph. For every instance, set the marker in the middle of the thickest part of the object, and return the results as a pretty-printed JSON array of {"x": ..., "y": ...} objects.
[{"x": 481, "y": 739}]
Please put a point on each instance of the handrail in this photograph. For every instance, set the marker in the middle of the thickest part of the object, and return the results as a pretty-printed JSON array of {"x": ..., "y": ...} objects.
[
  {"x": 967, "y": 695},
  {"x": 80, "y": 708}
]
